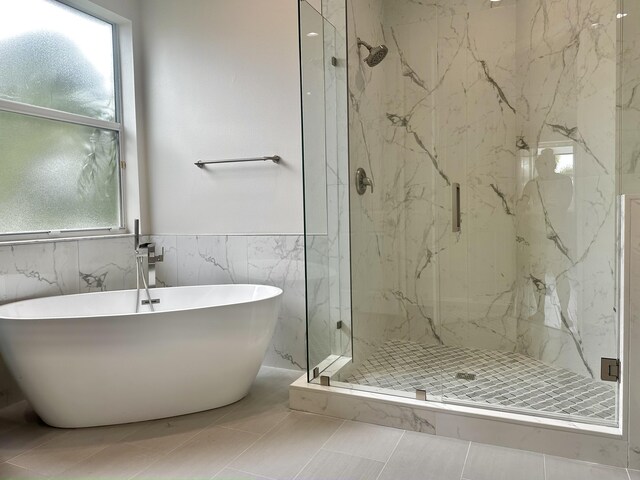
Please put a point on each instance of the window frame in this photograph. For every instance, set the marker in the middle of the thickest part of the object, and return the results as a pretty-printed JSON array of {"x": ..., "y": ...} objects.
[{"x": 82, "y": 120}]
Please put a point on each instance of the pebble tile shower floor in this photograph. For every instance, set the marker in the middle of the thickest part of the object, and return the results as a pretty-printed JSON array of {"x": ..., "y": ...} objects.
[{"x": 491, "y": 377}]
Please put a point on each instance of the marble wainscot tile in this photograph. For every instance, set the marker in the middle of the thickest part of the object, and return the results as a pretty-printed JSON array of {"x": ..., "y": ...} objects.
[
  {"x": 30, "y": 271},
  {"x": 106, "y": 264},
  {"x": 38, "y": 270},
  {"x": 212, "y": 259},
  {"x": 167, "y": 270},
  {"x": 320, "y": 331},
  {"x": 279, "y": 261}
]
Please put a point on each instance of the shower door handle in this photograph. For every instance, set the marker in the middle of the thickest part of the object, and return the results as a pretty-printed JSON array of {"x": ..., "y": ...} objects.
[
  {"x": 362, "y": 182},
  {"x": 455, "y": 207}
]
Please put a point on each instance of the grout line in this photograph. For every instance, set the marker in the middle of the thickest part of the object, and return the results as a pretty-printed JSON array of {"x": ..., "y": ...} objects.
[
  {"x": 319, "y": 449},
  {"x": 544, "y": 466},
  {"x": 228, "y": 464},
  {"x": 37, "y": 445},
  {"x": 123, "y": 441},
  {"x": 628, "y": 474},
  {"x": 392, "y": 452},
  {"x": 466, "y": 457},
  {"x": 242, "y": 471}
]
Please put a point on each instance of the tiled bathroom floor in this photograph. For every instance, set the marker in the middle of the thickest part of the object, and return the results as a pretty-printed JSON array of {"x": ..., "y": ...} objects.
[
  {"x": 259, "y": 438},
  {"x": 501, "y": 378}
]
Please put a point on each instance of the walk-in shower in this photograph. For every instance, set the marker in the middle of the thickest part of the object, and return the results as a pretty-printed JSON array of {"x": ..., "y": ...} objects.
[{"x": 483, "y": 269}]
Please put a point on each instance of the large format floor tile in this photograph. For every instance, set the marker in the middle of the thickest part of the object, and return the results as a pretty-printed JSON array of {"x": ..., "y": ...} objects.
[
  {"x": 331, "y": 465},
  {"x": 563, "y": 469},
  {"x": 121, "y": 461},
  {"x": 8, "y": 471},
  {"x": 365, "y": 440},
  {"x": 486, "y": 462},
  {"x": 70, "y": 448},
  {"x": 282, "y": 453},
  {"x": 425, "y": 457},
  {"x": 203, "y": 456},
  {"x": 259, "y": 438},
  {"x": 230, "y": 474}
]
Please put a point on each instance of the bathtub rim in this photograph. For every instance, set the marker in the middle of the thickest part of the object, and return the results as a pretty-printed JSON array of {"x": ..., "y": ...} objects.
[{"x": 273, "y": 292}]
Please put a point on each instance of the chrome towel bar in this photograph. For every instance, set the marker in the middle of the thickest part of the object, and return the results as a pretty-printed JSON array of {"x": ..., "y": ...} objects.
[{"x": 273, "y": 158}]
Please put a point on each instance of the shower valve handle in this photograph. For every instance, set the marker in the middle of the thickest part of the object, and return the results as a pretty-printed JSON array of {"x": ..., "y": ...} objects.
[{"x": 362, "y": 181}]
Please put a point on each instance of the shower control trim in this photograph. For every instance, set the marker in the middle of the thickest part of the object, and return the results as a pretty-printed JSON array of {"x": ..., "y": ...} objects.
[
  {"x": 362, "y": 181},
  {"x": 455, "y": 207}
]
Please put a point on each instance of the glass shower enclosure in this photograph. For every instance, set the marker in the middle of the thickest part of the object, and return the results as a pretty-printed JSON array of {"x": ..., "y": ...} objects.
[{"x": 462, "y": 201}]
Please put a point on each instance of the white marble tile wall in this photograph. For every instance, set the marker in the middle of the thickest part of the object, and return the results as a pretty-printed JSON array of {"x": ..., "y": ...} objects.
[
  {"x": 272, "y": 260},
  {"x": 61, "y": 268},
  {"x": 81, "y": 266},
  {"x": 471, "y": 92}
]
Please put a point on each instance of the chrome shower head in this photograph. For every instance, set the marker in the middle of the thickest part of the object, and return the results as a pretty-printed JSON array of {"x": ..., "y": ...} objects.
[{"x": 376, "y": 54}]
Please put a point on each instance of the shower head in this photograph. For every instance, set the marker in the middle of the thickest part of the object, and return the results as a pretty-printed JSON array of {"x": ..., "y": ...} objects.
[{"x": 376, "y": 54}]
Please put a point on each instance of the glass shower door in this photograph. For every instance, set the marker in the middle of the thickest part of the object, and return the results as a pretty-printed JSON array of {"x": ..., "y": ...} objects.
[
  {"x": 528, "y": 285},
  {"x": 482, "y": 114}
]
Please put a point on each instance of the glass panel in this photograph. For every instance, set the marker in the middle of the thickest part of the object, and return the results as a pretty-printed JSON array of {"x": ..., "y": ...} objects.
[
  {"x": 319, "y": 331},
  {"x": 325, "y": 167},
  {"x": 56, "y": 176},
  {"x": 54, "y": 56},
  {"x": 515, "y": 310}
]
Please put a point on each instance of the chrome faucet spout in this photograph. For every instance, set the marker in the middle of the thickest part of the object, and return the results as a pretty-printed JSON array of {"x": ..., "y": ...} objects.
[{"x": 152, "y": 260}]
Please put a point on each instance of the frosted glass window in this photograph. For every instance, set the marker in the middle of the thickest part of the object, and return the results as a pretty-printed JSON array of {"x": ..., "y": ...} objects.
[
  {"x": 59, "y": 120},
  {"x": 56, "y": 175},
  {"x": 54, "y": 56}
]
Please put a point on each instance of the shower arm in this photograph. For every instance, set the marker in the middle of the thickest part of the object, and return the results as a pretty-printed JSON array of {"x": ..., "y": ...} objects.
[{"x": 365, "y": 44}]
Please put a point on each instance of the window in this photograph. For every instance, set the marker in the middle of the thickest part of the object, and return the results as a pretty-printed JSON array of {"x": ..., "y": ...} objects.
[{"x": 60, "y": 121}]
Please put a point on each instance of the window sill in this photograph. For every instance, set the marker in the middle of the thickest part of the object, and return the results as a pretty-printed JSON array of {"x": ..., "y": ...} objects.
[{"x": 63, "y": 238}]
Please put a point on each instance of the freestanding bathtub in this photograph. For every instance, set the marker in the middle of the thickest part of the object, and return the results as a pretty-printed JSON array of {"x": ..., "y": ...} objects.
[{"x": 87, "y": 360}]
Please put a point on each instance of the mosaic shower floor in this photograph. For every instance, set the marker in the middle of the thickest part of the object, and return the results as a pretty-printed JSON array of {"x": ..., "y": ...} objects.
[{"x": 493, "y": 377}]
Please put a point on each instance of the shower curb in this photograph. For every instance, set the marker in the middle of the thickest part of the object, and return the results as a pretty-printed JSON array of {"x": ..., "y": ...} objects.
[{"x": 598, "y": 444}]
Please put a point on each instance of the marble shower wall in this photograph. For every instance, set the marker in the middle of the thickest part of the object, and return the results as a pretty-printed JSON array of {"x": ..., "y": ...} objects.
[
  {"x": 566, "y": 220},
  {"x": 83, "y": 266},
  {"x": 472, "y": 92},
  {"x": 629, "y": 98}
]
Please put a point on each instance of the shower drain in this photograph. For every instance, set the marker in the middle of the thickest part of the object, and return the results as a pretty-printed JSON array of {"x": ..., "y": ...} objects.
[{"x": 466, "y": 376}]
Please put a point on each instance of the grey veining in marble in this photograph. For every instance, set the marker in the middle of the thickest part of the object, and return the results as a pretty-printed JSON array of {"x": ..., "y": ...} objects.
[
  {"x": 96, "y": 265},
  {"x": 516, "y": 102}
]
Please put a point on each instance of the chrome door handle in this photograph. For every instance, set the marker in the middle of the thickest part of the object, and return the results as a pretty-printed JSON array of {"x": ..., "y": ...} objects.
[
  {"x": 362, "y": 181},
  {"x": 455, "y": 207}
]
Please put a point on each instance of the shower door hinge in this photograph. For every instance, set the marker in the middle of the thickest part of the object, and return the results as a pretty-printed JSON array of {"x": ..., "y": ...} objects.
[
  {"x": 339, "y": 325},
  {"x": 610, "y": 370},
  {"x": 334, "y": 61},
  {"x": 123, "y": 164}
]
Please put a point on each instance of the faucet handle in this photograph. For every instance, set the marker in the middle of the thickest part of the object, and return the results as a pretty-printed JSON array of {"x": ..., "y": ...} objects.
[{"x": 160, "y": 258}]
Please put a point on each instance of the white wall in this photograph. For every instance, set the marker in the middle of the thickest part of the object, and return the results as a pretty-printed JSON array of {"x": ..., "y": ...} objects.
[{"x": 222, "y": 81}]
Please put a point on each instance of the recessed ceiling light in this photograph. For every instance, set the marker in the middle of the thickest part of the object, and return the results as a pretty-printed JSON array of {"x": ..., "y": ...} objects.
[
  {"x": 312, "y": 34},
  {"x": 621, "y": 15}
]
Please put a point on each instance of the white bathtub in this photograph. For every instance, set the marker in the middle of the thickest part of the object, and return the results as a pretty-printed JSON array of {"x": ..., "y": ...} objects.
[{"x": 87, "y": 360}]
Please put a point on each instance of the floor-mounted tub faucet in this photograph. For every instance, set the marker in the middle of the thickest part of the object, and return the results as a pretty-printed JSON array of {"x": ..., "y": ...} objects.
[{"x": 148, "y": 251}]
